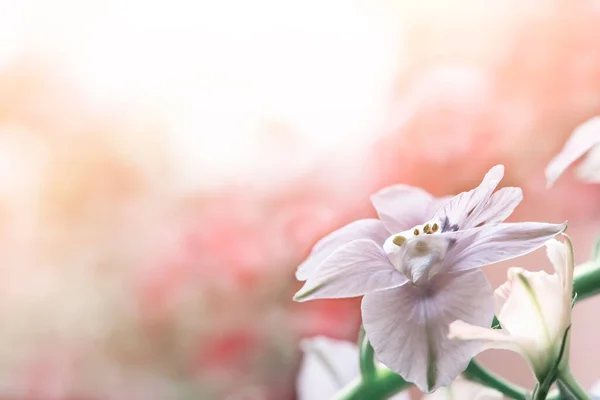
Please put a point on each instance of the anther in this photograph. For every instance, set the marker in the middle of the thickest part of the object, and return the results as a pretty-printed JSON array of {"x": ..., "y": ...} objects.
[
  {"x": 416, "y": 232},
  {"x": 435, "y": 227},
  {"x": 427, "y": 228},
  {"x": 399, "y": 240}
]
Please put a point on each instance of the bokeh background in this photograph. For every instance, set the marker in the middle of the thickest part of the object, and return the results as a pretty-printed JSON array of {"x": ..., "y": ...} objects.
[{"x": 166, "y": 165}]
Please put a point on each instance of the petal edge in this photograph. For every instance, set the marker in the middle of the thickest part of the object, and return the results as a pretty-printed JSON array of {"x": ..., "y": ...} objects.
[{"x": 358, "y": 268}]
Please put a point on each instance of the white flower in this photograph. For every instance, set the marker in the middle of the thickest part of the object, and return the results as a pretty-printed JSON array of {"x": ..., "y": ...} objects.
[
  {"x": 595, "y": 391},
  {"x": 464, "y": 389},
  {"x": 328, "y": 365},
  {"x": 534, "y": 309},
  {"x": 586, "y": 137},
  {"x": 417, "y": 279}
]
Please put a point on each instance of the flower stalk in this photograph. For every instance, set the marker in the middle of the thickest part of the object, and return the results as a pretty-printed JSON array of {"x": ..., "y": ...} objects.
[
  {"x": 383, "y": 384},
  {"x": 587, "y": 280},
  {"x": 541, "y": 391},
  {"x": 368, "y": 367},
  {"x": 568, "y": 381}
]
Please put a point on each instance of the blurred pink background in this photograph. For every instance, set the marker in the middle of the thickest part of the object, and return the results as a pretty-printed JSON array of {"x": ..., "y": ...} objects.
[{"x": 166, "y": 166}]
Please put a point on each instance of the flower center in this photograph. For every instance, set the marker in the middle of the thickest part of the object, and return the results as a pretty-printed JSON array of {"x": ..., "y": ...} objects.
[{"x": 417, "y": 252}]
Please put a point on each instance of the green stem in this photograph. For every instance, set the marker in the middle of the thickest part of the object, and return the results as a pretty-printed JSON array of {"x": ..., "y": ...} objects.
[
  {"x": 540, "y": 392},
  {"x": 478, "y": 373},
  {"x": 587, "y": 280},
  {"x": 382, "y": 385},
  {"x": 567, "y": 380},
  {"x": 563, "y": 393},
  {"x": 366, "y": 356}
]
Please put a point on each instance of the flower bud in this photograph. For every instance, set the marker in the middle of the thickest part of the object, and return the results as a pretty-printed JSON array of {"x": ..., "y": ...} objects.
[{"x": 534, "y": 309}]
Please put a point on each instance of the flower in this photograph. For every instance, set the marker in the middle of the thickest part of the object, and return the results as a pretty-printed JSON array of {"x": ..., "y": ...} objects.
[
  {"x": 418, "y": 206},
  {"x": 464, "y": 389},
  {"x": 586, "y": 137},
  {"x": 328, "y": 365},
  {"x": 417, "y": 281},
  {"x": 534, "y": 309},
  {"x": 595, "y": 391}
]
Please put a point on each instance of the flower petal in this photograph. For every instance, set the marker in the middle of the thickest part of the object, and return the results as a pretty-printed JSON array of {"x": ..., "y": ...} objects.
[
  {"x": 539, "y": 358},
  {"x": 534, "y": 314},
  {"x": 327, "y": 366},
  {"x": 589, "y": 168},
  {"x": 464, "y": 208},
  {"x": 362, "y": 229},
  {"x": 408, "y": 326},
  {"x": 487, "y": 338},
  {"x": 499, "y": 207},
  {"x": 492, "y": 244},
  {"x": 562, "y": 261},
  {"x": 501, "y": 295},
  {"x": 535, "y": 307},
  {"x": 359, "y": 267},
  {"x": 400, "y": 207},
  {"x": 436, "y": 204},
  {"x": 584, "y": 137}
]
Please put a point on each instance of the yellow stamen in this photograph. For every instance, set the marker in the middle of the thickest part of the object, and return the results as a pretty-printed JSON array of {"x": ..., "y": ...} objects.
[
  {"x": 435, "y": 227},
  {"x": 399, "y": 240},
  {"x": 416, "y": 232}
]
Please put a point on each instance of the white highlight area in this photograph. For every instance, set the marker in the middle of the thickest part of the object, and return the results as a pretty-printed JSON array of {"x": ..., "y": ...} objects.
[{"x": 241, "y": 82}]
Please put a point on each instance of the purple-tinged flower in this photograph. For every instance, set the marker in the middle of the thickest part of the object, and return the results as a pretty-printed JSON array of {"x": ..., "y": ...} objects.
[
  {"x": 418, "y": 279},
  {"x": 399, "y": 207},
  {"x": 586, "y": 137}
]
